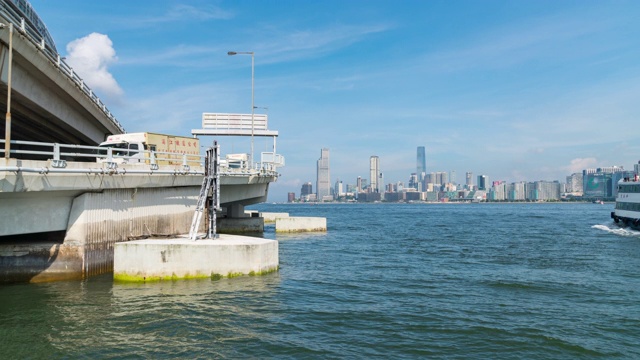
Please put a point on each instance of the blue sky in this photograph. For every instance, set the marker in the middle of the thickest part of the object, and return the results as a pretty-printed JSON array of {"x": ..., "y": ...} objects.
[{"x": 516, "y": 90}]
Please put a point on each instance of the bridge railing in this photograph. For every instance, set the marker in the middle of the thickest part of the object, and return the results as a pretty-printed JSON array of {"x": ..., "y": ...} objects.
[
  {"x": 50, "y": 53},
  {"x": 66, "y": 156}
]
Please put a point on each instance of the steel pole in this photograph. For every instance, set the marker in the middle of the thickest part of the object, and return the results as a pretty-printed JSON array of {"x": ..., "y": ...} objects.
[
  {"x": 7, "y": 134},
  {"x": 252, "y": 107}
]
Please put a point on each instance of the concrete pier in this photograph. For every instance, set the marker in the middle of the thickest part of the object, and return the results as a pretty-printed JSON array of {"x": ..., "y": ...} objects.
[
  {"x": 182, "y": 258},
  {"x": 300, "y": 224},
  {"x": 270, "y": 217}
]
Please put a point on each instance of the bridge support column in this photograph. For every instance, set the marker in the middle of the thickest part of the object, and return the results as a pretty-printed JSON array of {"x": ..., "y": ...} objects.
[{"x": 238, "y": 222}]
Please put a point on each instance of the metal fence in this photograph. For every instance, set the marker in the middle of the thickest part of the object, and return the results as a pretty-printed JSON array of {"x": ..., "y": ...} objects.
[{"x": 68, "y": 157}]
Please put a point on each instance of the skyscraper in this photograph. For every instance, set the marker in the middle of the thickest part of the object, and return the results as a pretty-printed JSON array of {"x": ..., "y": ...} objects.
[
  {"x": 421, "y": 163},
  {"x": 469, "y": 183},
  {"x": 307, "y": 189},
  {"x": 483, "y": 181},
  {"x": 374, "y": 172},
  {"x": 323, "y": 187}
]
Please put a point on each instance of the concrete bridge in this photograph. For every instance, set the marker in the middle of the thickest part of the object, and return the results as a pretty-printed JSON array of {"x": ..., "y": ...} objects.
[
  {"x": 59, "y": 219},
  {"x": 45, "y": 92}
]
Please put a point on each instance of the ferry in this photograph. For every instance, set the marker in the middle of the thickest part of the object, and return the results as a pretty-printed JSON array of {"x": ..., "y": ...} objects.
[{"x": 627, "y": 211}]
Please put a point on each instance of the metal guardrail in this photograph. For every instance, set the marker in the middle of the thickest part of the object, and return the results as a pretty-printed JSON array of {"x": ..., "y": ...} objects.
[
  {"x": 38, "y": 40},
  {"x": 109, "y": 159}
]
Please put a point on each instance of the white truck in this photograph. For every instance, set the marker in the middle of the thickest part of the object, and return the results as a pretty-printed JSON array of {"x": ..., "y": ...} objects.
[{"x": 137, "y": 148}]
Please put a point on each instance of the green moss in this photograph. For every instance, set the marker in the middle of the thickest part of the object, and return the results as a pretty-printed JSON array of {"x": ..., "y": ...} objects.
[
  {"x": 128, "y": 278},
  {"x": 140, "y": 278},
  {"x": 233, "y": 275}
]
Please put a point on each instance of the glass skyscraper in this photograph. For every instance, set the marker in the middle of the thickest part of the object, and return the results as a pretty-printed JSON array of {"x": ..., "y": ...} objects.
[
  {"x": 323, "y": 185},
  {"x": 421, "y": 164}
]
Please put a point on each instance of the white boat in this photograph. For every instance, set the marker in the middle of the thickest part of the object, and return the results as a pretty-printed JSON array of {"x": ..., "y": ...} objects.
[{"x": 627, "y": 211}]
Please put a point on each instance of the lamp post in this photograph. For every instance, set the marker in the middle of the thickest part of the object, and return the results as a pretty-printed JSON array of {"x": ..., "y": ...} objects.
[
  {"x": 7, "y": 133},
  {"x": 231, "y": 53}
]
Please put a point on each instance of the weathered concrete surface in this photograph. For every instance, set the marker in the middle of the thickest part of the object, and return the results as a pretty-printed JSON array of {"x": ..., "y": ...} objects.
[
  {"x": 270, "y": 217},
  {"x": 240, "y": 225},
  {"x": 301, "y": 224},
  {"x": 181, "y": 258},
  {"x": 39, "y": 262}
]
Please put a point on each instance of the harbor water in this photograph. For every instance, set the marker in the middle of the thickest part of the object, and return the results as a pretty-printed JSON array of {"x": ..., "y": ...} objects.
[{"x": 438, "y": 281}]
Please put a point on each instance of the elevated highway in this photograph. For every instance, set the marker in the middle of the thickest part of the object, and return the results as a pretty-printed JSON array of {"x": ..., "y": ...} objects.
[{"x": 49, "y": 101}]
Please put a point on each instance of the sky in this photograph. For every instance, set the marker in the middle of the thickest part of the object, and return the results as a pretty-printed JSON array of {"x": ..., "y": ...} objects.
[{"x": 515, "y": 90}]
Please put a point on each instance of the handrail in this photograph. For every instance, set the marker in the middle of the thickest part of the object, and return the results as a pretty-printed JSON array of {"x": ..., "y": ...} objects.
[
  {"x": 38, "y": 41},
  {"x": 112, "y": 157}
]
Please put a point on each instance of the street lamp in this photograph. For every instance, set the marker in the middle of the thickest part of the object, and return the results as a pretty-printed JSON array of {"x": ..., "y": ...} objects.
[
  {"x": 7, "y": 133},
  {"x": 231, "y": 53}
]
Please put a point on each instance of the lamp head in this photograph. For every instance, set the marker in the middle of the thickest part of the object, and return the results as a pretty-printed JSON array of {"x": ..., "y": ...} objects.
[{"x": 230, "y": 53}]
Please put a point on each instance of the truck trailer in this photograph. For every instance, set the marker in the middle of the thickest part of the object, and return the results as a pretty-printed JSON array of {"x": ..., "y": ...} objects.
[{"x": 137, "y": 148}]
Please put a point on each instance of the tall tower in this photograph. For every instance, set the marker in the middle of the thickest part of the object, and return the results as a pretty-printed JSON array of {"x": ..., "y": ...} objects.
[
  {"x": 469, "y": 183},
  {"x": 421, "y": 162},
  {"x": 323, "y": 187},
  {"x": 374, "y": 172},
  {"x": 483, "y": 181}
]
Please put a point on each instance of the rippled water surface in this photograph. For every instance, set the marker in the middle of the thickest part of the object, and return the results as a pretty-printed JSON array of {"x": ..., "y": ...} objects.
[{"x": 510, "y": 281}]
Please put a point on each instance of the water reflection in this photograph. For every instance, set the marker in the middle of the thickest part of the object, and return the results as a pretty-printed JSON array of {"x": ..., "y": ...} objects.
[{"x": 97, "y": 318}]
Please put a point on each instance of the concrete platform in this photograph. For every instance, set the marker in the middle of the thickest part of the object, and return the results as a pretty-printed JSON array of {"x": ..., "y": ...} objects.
[
  {"x": 300, "y": 224},
  {"x": 270, "y": 217},
  {"x": 181, "y": 258}
]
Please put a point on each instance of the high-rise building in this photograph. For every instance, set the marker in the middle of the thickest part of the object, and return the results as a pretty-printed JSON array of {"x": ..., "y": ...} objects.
[
  {"x": 323, "y": 186},
  {"x": 575, "y": 184},
  {"x": 452, "y": 177},
  {"x": 421, "y": 163},
  {"x": 291, "y": 197},
  {"x": 374, "y": 173},
  {"x": 413, "y": 181},
  {"x": 359, "y": 184},
  {"x": 307, "y": 189},
  {"x": 338, "y": 189},
  {"x": 483, "y": 182},
  {"x": 469, "y": 183}
]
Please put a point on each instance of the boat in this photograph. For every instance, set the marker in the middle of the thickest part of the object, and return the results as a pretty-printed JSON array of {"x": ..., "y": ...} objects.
[
  {"x": 627, "y": 210},
  {"x": 598, "y": 202}
]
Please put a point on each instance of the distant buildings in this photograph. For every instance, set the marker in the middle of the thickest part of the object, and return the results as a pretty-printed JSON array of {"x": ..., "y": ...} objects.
[
  {"x": 599, "y": 183},
  {"x": 291, "y": 197},
  {"x": 323, "y": 182},
  {"x": 602, "y": 182}
]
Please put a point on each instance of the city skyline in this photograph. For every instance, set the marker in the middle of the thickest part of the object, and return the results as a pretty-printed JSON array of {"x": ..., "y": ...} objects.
[
  {"x": 517, "y": 91},
  {"x": 444, "y": 178}
]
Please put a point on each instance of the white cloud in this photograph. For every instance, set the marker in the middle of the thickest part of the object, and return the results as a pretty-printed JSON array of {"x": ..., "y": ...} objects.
[
  {"x": 90, "y": 58},
  {"x": 579, "y": 164}
]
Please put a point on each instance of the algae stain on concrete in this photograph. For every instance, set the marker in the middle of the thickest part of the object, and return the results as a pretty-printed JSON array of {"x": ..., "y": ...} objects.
[{"x": 129, "y": 278}]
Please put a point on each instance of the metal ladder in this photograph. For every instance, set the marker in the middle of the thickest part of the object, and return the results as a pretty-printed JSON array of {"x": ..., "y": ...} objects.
[{"x": 212, "y": 202}]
